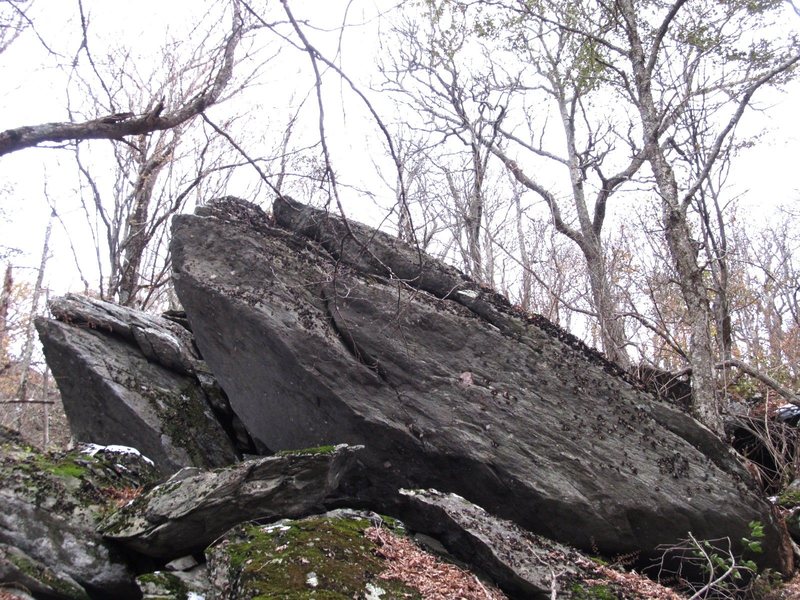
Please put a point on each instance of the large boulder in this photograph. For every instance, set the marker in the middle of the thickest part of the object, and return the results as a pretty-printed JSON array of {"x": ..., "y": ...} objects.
[
  {"x": 194, "y": 507},
  {"x": 324, "y": 332},
  {"x": 51, "y": 506},
  {"x": 130, "y": 378}
]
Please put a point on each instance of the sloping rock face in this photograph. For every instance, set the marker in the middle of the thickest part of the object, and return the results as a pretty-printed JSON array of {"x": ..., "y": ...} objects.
[
  {"x": 322, "y": 332},
  {"x": 134, "y": 379},
  {"x": 20, "y": 571},
  {"x": 193, "y": 508}
]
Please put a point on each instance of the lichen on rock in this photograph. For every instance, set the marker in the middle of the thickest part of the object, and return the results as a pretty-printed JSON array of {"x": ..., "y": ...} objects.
[{"x": 52, "y": 503}]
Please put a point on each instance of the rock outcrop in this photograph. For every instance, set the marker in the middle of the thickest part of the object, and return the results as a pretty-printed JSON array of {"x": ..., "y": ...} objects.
[
  {"x": 352, "y": 553},
  {"x": 130, "y": 378},
  {"x": 51, "y": 505},
  {"x": 193, "y": 508},
  {"x": 322, "y": 332}
]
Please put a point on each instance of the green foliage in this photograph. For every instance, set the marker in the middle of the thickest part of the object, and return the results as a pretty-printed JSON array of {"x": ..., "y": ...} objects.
[
  {"x": 757, "y": 533},
  {"x": 595, "y": 592},
  {"x": 722, "y": 571},
  {"x": 722, "y": 561}
]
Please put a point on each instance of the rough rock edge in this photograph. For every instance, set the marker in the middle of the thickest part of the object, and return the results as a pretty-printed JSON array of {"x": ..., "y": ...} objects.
[
  {"x": 195, "y": 500},
  {"x": 162, "y": 341}
]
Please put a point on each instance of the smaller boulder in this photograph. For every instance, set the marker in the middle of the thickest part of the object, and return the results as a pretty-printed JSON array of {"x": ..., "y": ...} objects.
[
  {"x": 127, "y": 377},
  {"x": 51, "y": 505},
  {"x": 167, "y": 585},
  {"x": 342, "y": 554},
  {"x": 522, "y": 564},
  {"x": 20, "y": 571},
  {"x": 191, "y": 509}
]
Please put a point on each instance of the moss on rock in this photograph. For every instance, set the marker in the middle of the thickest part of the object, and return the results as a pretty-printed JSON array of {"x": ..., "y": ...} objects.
[
  {"x": 789, "y": 498},
  {"x": 319, "y": 557},
  {"x": 161, "y": 585},
  {"x": 593, "y": 592},
  {"x": 329, "y": 449}
]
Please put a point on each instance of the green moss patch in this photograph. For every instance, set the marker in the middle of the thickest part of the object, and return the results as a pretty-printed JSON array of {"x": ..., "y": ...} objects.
[
  {"x": 163, "y": 585},
  {"x": 789, "y": 498},
  {"x": 66, "y": 466},
  {"x": 330, "y": 449},
  {"x": 594, "y": 592},
  {"x": 320, "y": 557},
  {"x": 67, "y": 481}
]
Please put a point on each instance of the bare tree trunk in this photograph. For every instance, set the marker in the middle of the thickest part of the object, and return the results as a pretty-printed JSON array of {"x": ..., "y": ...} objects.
[
  {"x": 5, "y": 304},
  {"x": 698, "y": 311},
  {"x": 474, "y": 212},
  {"x": 136, "y": 234},
  {"x": 46, "y": 407},
  {"x": 677, "y": 230},
  {"x": 525, "y": 259},
  {"x": 27, "y": 352}
]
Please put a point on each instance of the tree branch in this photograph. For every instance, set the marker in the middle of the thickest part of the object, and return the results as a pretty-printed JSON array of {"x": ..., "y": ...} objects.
[
  {"x": 788, "y": 394},
  {"x": 122, "y": 125}
]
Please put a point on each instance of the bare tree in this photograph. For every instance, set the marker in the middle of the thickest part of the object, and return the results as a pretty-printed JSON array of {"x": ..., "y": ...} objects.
[
  {"x": 664, "y": 61},
  {"x": 503, "y": 111},
  {"x": 29, "y": 335},
  {"x": 5, "y": 305},
  {"x": 136, "y": 121},
  {"x": 13, "y": 21},
  {"x": 699, "y": 34},
  {"x": 156, "y": 173}
]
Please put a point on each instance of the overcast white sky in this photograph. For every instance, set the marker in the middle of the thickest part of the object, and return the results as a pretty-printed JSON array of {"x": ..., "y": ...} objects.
[{"x": 33, "y": 91}]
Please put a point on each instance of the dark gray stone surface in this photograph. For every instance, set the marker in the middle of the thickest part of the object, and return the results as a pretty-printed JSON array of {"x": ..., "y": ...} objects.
[
  {"x": 194, "y": 507},
  {"x": 18, "y": 571},
  {"x": 132, "y": 379},
  {"x": 519, "y": 562},
  {"x": 445, "y": 385}
]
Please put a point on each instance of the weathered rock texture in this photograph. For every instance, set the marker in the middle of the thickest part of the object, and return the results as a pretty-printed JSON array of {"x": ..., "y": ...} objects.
[
  {"x": 50, "y": 507},
  {"x": 518, "y": 561},
  {"x": 18, "y": 571},
  {"x": 326, "y": 333},
  {"x": 134, "y": 379},
  {"x": 193, "y": 508}
]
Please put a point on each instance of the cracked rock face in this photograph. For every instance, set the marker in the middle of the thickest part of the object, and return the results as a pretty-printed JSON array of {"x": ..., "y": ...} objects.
[{"x": 321, "y": 338}]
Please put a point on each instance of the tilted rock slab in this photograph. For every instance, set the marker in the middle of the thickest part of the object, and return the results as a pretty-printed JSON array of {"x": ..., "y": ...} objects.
[
  {"x": 319, "y": 337},
  {"x": 193, "y": 508},
  {"x": 522, "y": 564},
  {"x": 130, "y": 378}
]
